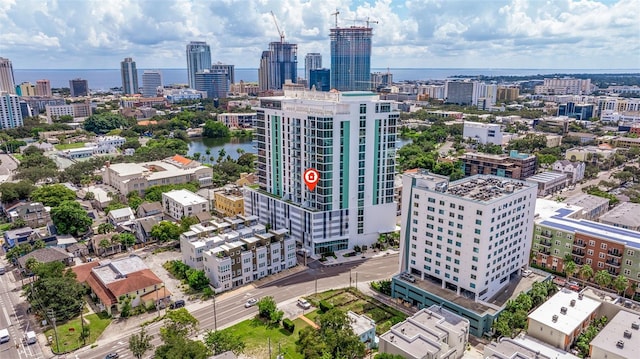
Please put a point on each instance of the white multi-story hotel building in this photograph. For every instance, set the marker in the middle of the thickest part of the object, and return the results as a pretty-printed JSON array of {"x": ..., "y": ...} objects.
[
  {"x": 470, "y": 235},
  {"x": 350, "y": 139},
  {"x": 237, "y": 251},
  {"x": 483, "y": 132}
]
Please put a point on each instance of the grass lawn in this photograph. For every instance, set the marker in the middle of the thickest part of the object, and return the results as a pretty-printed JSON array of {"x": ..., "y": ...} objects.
[
  {"x": 384, "y": 316},
  {"x": 256, "y": 338},
  {"x": 5, "y": 227},
  {"x": 67, "y": 146},
  {"x": 18, "y": 156},
  {"x": 69, "y": 332}
]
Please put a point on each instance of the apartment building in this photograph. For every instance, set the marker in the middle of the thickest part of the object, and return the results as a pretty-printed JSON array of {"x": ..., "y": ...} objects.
[
  {"x": 228, "y": 201},
  {"x": 433, "y": 333},
  {"x": 560, "y": 320},
  {"x": 483, "y": 132},
  {"x": 181, "y": 203},
  {"x": 75, "y": 110},
  {"x": 236, "y": 251},
  {"x": 514, "y": 165},
  {"x": 350, "y": 139},
  {"x": 237, "y": 120},
  {"x": 129, "y": 177},
  {"x": 559, "y": 233},
  {"x": 470, "y": 236}
]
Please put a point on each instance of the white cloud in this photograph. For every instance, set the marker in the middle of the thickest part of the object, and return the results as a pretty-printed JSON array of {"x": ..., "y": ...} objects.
[{"x": 416, "y": 33}]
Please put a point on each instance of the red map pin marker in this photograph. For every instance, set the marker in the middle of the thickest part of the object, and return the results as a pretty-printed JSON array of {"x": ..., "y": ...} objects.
[{"x": 311, "y": 178}]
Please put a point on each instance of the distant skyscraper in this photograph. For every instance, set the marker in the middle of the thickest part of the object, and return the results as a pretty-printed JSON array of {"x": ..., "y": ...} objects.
[
  {"x": 79, "y": 87},
  {"x": 26, "y": 89},
  {"x": 7, "y": 82},
  {"x": 321, "y": 79},
  {"x": 151, "y": 80},
  {"x": 312, "y": 61},
  {"x": 277, "y": 65},
  {"x": 198, "y": 59},
  {"x": 43, "y": 88},
  {"x": 10, "y": 112},
  {"x": 228, "y": 69},
  {"x": 129, "y": 75},
  {"x": 214, "y": 82},
  {"x": 351, "y": 58}
]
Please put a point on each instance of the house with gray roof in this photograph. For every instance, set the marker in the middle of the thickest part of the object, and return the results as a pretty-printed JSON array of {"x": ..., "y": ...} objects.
[{"x": 47, "y": 255}]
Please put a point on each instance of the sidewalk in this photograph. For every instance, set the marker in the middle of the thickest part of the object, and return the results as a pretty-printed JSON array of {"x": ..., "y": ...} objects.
[{"x": 341, "y": 259}]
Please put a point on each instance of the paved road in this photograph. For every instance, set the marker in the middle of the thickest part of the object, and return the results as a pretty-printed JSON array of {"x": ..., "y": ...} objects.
[
  {"x": 229, "y": 309},
  {"x": 13, "y": 317},
  {"x": 7, "y": 167}
]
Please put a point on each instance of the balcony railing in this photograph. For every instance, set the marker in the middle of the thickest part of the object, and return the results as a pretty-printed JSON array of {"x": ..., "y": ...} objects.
[
  {"x": 544, "y": 251},
  {"x": 545, "y": 243},
  {"x": 546, "y": 234},
  {"x": 613, "y": 263},
  {"x": 580, "y": 244},
  {"x": 577, "y": 252},
  {"x": 614, "y": 253}
]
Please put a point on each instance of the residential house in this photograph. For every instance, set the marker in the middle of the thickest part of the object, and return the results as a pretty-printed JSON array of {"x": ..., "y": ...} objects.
[
  {"x": 142, "y": 227},
  {"x": 433, "y": 333},
  {"x": 46, "y": 255},
  {"x": 18, "y": 236},
  {"x": 33, "y": 214},
  {"x": 120, "y": 216},
  {"x": 364, "y": 328},
  {"x": 148, "y": 209},
  {"x": 112, "y": 282}
]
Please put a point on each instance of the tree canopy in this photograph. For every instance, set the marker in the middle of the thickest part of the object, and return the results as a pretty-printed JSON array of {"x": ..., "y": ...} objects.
[
  {"x": 53, "y": 195},
  {"x": 105, "y": 122},
  {"x": 334, "y": 338},
  {"x": 215, "y": 129},
  {"x": 166, "y": 231},
  {"x": 70, "y": 218},
  {"x": 55, "y": 289}
]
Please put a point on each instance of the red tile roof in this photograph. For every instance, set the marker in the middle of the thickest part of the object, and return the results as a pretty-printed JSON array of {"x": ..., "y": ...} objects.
[
  {"x": 105, "y": 296},
  {"x": 84, "y": 270},
  {"x": 134, "y": 281},
  {"x": 181, "y": 159}
]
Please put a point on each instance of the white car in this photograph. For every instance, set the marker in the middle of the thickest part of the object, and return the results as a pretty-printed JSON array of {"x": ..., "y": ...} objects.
[
  {"x": 304, "y": 303},
  {"x": 250, "y": 303}
]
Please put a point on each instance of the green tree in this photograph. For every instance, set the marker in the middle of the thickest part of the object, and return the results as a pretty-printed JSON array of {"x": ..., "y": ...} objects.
[
  {"x": 104, "y": 244},
  {"x": 223, "y": 341},
  {"x": 337, "y": 334},
  {"x": 197, "y": 279},
  {"x": 182, "y": 348},
  {"x": 70, "y": 218},
  {"x": 266, "y": 306},
  {"x": 56, "y": 289},
  {"x": 127, "y": 239},
  {"x": 602, "y": 278},
  {"x": 105, "y": 122},
  {"x": 166, "y": 231},
  {"x": 388, "y": 356},
  {"x": 140, "y": 343},
  {"x": 13, "y": 191},
  {"x": 104, "y": 228},
  {"x": 570, "y": 268},
  {"x": 178, "y": 323},
  {"x": 215, "y": 129},
  {"x": 187, "y": 222},
  {"x": 586, "y": 272},
  {"x": 52, "y": 195},
  {"x": 620, "y": 284}
]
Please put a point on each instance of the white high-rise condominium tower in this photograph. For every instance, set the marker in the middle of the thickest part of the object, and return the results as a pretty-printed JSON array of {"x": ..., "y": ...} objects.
[
  {"x": 471, "y": 236},
  {"x": 10, "y": 113},
  {"x": 151, "y": 80},
  {"x": 7, "y": 81},
  {"x": 198, "y": 59},
  {"x": 350, "y": 139},
  {"x": 312, "y": 61}
]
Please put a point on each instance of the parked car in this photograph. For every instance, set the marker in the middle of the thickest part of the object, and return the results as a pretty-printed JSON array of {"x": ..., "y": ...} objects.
[
  {"x": 304, "y": 303},
  {"x": 408, "y": 277},
  {"x": 250, "y": 303},
  {"x": 177, "y": 304}
]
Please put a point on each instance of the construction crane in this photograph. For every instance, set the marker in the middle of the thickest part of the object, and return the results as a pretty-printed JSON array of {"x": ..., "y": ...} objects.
[
  {"x": 336, "y": 15},
  {"x": 280, "y": 32},
  {"x": 367, "y": 21},
  {"x": 371, "y": 21}
]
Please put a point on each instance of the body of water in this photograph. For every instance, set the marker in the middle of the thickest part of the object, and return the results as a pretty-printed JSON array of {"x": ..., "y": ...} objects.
[
  {"x": 107, "y": 78},
  {"x": 231, "y": 146}
]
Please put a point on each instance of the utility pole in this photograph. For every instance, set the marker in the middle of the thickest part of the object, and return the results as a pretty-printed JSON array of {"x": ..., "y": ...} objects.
[
  {"x": 84, "y": 337},
  {"x": 316, "y": 285},
  {"x": 356, "y": 280},
  {"x": 269, "y": 347},
  {"x": 350, "y": 279},
  {"x": 52, "y": 317},
  {"x": 215, "y": 317}
]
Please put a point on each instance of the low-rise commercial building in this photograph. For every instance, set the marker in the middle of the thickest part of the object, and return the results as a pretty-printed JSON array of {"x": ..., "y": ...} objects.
[
  {"x": 549, "y": 182},
  {"x": 514, "y": 165},
  {"x": 433, "y": 333},
  {"x": 483, "y": 132},
  {"x": 619, "y": 339},
  {"x": 626, "y": 215},
  {"x": 130, "y": 177},
  {"x": 560, "y": 320},
  {"x": 592, "y": 207},
  {"x": 183, "y": 203}
]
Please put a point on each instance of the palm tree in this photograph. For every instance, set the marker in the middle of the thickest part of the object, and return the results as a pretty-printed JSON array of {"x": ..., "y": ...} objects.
[
  {"x": 602, "y": 278},
  {"x": 570, "y": 268},
  {"x": 104, "y": 244},
  {"x": 620, "y": 284},
  {"x": 586, "y": 272}
]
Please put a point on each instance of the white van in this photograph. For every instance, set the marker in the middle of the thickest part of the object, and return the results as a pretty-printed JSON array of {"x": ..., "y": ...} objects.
[
  {"x": 4, "y": 336},
  {"x": 30, "y": 337}
]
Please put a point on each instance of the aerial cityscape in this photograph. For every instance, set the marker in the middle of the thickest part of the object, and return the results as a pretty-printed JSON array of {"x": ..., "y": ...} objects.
[{"x": 320, "y": 179}]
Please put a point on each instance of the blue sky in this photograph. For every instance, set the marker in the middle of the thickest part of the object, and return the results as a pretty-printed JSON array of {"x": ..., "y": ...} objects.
[{"x": 557, "y": 34}]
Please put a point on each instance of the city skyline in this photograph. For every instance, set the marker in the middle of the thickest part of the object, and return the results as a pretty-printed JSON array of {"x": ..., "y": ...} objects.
[{"x": 459, "y": 34}]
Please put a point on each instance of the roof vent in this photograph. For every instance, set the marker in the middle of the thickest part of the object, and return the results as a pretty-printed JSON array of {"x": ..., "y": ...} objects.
[
  {"x": 563, "y": 310},
  {"x": 635, "y": 325},
  {"x": 627, "y": 334},
  {"x": 392, "y": 337},
  {"x": 573, "y": 302},
  {"x": 554, "y": 318},
  {"x": 620, "y": 344},
  {"x": 580, "y": 296}
]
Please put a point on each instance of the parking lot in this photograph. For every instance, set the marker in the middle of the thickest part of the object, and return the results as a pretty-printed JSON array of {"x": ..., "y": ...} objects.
[{"x": 155, "y": 262}]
